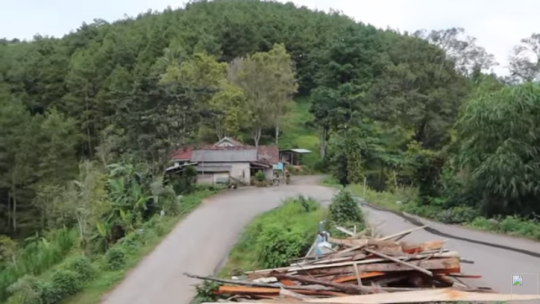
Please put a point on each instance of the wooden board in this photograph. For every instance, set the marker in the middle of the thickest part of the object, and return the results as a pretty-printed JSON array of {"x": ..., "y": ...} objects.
[
  {"x": 423, "y": 296},
  {"x": 433, "y": 264}
]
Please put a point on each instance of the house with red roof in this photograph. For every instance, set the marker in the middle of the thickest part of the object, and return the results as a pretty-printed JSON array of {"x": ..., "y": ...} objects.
[{"x": 227, "y": 159}]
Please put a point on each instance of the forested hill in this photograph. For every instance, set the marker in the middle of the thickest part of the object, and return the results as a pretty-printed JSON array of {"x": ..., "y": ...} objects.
[{"x": 384, "y": 104}]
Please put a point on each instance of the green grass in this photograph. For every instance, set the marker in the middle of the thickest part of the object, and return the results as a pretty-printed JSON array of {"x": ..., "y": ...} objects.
[
  {"x": 274, "y": 237},
  {"x": 297, "y": 134},
  {"x": 384, "y": 199}
]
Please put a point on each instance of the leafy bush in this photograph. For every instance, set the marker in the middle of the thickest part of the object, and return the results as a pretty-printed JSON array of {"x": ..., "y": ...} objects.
[
  {"x": 260, "y": 176},
  {"x": 277, "y": 245},
  {"x": 82, "y": 266},
  {"x": 62, "y": 284},
  {"x": 115, "y": 258},
  {"x": 457, "y": 215},
  {"x": 159, "y": 229},
  {"x": 131, "y": 243},
  {"x": 26, "y": 290},
  {"x": 344, "y": 209}
]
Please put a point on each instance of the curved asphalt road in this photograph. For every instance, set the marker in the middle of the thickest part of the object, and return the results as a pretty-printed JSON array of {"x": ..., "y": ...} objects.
[{"x": 200, "y": 242}]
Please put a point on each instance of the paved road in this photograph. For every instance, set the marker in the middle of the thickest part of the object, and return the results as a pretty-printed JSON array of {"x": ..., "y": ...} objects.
[
  {"x": 494, "y": 264},
  {"x": 201, "y": 241}
]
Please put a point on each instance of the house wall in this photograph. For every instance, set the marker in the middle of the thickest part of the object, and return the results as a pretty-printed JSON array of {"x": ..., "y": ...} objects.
[
  {"x": 269, "y": 173},
  {"x": 238, "y": 171},
  {"x": 206, "y": 178}
]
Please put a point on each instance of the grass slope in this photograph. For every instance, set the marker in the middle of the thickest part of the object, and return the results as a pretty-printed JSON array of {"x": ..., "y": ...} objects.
[
  {"x": 275, "y": 237},
  {"x": 298, "y": 134}
]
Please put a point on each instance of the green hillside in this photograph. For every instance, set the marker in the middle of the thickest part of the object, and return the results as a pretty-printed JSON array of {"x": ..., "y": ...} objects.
[{"x": 88, "y": 122}]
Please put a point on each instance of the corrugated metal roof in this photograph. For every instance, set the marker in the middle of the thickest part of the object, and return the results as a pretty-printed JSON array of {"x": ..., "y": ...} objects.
[
  {"x": 213, "y": 168},
  {"x": 224, "y": 155}
]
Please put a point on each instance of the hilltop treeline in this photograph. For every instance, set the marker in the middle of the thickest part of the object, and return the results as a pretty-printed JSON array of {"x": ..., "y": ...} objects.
[{"x": 399, "y": 109}]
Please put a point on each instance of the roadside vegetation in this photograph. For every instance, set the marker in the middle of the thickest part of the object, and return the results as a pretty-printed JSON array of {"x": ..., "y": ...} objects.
[
  {"x": 405, "y": 199},
  {"x": 275, "y": 237},
  {"x": 99, "y": 226},
  {"x": 283, "y": 234},
  {"x": 88, "y": 123}
]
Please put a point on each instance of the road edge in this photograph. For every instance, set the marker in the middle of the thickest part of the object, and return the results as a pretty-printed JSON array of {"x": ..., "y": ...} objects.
[{"x": 418, "y": 223}]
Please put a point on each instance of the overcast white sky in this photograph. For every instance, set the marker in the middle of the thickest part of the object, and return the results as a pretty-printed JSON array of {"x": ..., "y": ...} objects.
[{"x": 498, "y": 24}]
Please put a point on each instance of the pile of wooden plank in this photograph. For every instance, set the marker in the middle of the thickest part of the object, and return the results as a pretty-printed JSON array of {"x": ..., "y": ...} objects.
[{"x": 362, "y": 267}]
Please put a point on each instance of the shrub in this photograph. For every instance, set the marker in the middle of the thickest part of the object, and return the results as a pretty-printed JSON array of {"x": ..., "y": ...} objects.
[
  {"x": 39, "y": 255},
  {"x": 115, "y": 258},
  {"x": 457, "y": 215},
  {"x": 131, "y": 242},
  {"x": 260, "y": 176},
  {"x": 278, "y": 245},
  {"x": 26, "y": 290},
  {"x": 82, "y": 266},
  {"x": 62, "y": 284},
  {"x": 307, "y": 203},
  {"x": 160, "y": 229},
  {"x": 344, "y": 209}
]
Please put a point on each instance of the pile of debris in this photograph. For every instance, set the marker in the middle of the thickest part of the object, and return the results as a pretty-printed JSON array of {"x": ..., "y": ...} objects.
[{"x": 363, "y": 270}]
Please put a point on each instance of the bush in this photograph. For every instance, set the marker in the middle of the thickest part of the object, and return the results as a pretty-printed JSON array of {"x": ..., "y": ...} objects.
[
  {"x": 131, "y": 242},
  {"x": 115, "y": 258},
  {"x": 39, "y": 255},
  {"x": 344, "y": 209},
  {"x": 82, "y": 266},
  {"x": 260, "y": 176},
  {"x": 457, "y": 215},
  {"x": 62, "y": 284},
  {"x": 26, "y": 290},
  {"x": 278, "y": 245}
]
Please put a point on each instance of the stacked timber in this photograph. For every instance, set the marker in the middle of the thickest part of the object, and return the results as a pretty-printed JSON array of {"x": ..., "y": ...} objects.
[{"x": 363, "y": 270}]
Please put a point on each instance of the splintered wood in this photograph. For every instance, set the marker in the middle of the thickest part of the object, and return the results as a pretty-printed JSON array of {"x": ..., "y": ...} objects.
[{"x": 362, "y": 270}]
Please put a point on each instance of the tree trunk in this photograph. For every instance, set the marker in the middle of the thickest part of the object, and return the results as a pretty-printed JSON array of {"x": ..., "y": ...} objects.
[
  {"x": 277, "y": 133},
  {"x": 14, "y": 197},
  {"x": 9, "y": 211},
  {"x": 322, "y": 142},
  {"x": 43, "y": 216},
  {"x": 220, "y": 131},
  {"x": 257, "y": 135},
  {"x": 88, "y": 133}
]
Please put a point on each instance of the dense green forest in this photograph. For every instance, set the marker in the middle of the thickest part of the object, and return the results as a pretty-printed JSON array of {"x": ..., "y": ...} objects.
[{"x": 88, "y": 121}]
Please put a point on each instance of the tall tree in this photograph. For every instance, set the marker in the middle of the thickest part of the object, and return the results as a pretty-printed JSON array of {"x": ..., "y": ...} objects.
[
  {"x": 18, "y": 154},
  {"x": 500, "y": 148},
  {"x": 283, "y": 84},
  {"x": 525, "y": 60},
  {"x": 268, "y": 81},
  {"x": 460, "y": 48}
]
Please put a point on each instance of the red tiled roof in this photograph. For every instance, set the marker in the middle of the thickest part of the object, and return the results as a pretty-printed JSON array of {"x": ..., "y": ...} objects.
[
  {"x": 183, "y": 153},
  {"x": 268, "y": 154}
]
